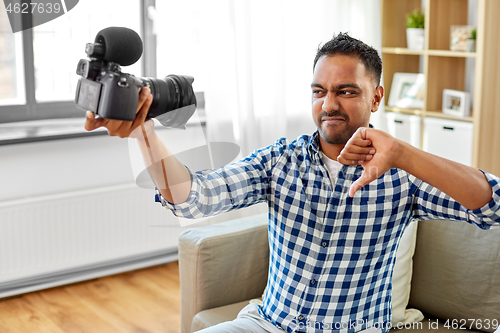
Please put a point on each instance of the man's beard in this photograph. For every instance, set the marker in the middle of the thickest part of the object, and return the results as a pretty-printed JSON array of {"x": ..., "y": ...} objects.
[{"x": 338, "y": 137}]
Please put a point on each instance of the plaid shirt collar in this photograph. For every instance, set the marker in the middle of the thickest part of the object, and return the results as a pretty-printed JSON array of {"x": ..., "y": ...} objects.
[{"x": 313, "y": 147}]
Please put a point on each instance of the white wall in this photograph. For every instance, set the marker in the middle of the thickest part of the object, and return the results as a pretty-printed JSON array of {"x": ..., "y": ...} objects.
[{"x": 48, "y": 167}]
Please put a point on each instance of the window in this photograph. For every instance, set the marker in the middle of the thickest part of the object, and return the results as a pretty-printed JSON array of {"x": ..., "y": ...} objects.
[
  {"x": 55, "y": 64},
  {"x": 11, "y": 64},
  {"x": 38, "y": 66},
  {"x": 178, "y": 25}
]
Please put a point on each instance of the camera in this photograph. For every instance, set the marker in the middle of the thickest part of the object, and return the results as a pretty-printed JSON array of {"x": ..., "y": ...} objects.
[{"x": 108, "y": 92}]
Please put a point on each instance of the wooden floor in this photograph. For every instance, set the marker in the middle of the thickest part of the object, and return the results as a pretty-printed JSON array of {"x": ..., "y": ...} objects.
[{"x": 143, "y": 301}]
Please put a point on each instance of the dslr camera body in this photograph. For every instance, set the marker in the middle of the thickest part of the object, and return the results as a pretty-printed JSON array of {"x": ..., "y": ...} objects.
[{"x": 108, "y": 92}]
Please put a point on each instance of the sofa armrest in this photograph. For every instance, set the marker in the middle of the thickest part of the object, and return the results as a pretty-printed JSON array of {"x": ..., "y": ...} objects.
[{"x": 222, "y": 264}]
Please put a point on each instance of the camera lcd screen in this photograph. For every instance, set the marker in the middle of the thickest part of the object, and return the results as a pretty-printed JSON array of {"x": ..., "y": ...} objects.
[{"x": 88, "y": 94}]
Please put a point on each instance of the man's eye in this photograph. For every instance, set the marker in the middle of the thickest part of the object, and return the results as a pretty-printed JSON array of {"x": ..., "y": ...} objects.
[{"x": 316, "y": 92}]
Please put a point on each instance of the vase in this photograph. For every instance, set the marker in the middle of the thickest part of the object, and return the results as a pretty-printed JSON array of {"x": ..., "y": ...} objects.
[
  {"x": 415, "y": 38},
  {"x": 471, "y": 45}
]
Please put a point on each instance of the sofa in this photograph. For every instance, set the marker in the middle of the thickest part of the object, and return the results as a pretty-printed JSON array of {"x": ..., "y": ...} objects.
[{"x": 455, "y": 281}]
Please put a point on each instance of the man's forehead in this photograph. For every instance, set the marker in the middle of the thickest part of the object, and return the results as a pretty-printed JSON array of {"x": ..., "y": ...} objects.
[
  {"x": 340, "y": 68},
  {"x": 339, "y": 62}
]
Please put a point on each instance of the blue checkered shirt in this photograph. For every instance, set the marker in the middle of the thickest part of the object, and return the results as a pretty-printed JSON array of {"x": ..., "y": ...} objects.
[{"x": 331, "y": 256}]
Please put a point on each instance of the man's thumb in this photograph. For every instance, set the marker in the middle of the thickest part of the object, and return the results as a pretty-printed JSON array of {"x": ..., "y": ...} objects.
[
  {"x": 369, "y": 175},
  {"x": 356, "y": 186}
]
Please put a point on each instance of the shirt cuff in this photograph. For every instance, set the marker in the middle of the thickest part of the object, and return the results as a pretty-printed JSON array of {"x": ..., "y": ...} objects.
[
  {"x": 490, "y": 213},
  {"x": 182, "y": 209}
]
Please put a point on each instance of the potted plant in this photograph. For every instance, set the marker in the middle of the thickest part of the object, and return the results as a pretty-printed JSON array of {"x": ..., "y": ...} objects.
[
  {"x": 471, "y": 42},
  {"x": 415, "y": 30}
]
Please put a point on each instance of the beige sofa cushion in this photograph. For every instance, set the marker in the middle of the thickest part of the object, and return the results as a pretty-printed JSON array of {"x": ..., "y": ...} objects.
[
  {"x": 457, "y": 272},
  {"x": 211, "y": 317},
  {"x": 401, "y": 278}
]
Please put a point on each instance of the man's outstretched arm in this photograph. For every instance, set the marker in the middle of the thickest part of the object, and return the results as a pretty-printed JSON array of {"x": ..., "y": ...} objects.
[
  {"x": 467, "y": 185},
  {"x": 169, "y": 175}
]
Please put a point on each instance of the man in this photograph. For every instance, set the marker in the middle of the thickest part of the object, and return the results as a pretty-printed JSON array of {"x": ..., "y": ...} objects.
[{"x": 339, "y": 200}]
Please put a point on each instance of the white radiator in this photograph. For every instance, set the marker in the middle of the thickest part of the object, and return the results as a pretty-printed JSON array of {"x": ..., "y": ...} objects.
[{"x": 58, "y": 239}]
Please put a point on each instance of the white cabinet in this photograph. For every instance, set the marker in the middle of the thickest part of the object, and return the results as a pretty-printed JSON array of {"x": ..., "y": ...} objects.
[
  {"x": 404, "y": 127},
  {"x": 450, "y": 139}
]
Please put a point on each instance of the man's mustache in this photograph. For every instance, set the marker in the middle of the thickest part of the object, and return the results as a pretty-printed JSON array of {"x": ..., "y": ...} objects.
[{"x": 334, "y": 114}]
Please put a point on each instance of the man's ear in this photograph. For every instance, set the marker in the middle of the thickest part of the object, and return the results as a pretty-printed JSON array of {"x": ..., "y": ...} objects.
[{"x": 377, "y": 98}]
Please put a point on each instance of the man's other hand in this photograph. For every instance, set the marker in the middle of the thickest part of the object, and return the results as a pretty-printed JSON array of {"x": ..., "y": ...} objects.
[
  {"x": 375, "y": 150},
  {"x": 124, "y": 129}
]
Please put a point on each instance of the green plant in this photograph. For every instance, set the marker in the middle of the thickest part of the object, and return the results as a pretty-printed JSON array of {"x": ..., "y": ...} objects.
[
  {"x": 415, "y": 19},
  {"x": 473, "y": 34}
]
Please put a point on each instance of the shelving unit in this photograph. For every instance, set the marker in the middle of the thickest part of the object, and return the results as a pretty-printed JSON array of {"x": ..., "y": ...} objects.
[{"x": 445, "y": 69}]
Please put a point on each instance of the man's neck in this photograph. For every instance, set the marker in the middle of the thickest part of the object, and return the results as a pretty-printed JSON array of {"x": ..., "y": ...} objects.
[{"x": 330, "y": 150}]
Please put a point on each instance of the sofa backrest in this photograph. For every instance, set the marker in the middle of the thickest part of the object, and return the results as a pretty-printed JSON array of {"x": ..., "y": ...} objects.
[{"x": 456, "y": 273}]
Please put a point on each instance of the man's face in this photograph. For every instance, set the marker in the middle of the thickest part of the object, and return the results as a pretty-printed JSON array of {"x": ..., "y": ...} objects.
[{"x": 344, "y": 94}]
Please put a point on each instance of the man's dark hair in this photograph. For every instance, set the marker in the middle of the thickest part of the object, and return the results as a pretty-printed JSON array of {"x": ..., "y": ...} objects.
[{"x": 344, "y": 44}]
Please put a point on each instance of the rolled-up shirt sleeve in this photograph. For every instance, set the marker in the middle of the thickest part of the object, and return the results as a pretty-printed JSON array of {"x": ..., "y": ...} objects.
[
  {"x": 236, "y": 185},
  {"x": 429, "y": 203},
  {"x": 490, "y": 213}
]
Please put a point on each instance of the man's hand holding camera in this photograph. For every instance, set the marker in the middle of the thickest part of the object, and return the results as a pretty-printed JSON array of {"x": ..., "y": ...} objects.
[
  {"x": 124, "y": 129},
  {"x": 111, "y": 94}
]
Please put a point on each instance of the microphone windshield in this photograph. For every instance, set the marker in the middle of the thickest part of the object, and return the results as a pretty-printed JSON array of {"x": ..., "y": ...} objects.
[{"x": 121, "y": 45}]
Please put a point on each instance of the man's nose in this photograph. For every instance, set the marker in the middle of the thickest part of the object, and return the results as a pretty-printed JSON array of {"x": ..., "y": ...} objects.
[{"x": 330, "y": 102}]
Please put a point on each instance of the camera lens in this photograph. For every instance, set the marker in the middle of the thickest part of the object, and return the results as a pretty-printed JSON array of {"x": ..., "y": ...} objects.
[{"x": 171, "y": 93}]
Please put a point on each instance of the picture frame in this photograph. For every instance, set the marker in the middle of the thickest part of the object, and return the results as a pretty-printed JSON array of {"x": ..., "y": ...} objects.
[
  {"x": 407, "y": 91},
  {"x": 459, "y": 34},
  {"x": 456, "y": 103}
]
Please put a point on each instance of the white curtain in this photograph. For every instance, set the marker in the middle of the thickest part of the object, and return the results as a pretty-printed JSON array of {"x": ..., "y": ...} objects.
[{"x": 254, "y": 59}]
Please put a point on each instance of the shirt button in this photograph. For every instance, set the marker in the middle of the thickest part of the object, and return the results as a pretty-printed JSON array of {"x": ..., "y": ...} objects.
[
  {"x": 313, "y": 281},
  {"x": 324, "y": 244},
  {"x": 300, "y": 318}
]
